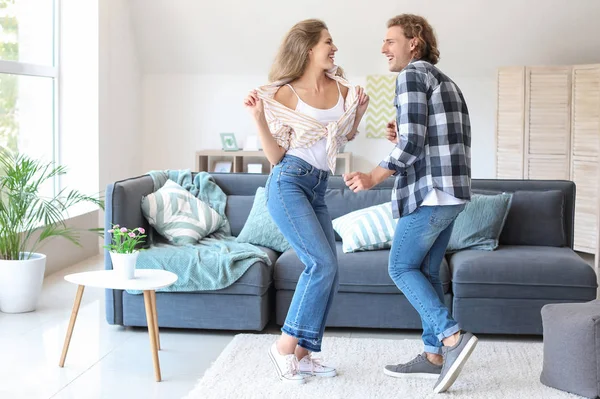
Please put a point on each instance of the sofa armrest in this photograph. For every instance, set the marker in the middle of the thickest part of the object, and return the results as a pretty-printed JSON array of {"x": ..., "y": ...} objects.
[
  {"x": 124, "y": 203},
  {"x": 123, "y": 207}
]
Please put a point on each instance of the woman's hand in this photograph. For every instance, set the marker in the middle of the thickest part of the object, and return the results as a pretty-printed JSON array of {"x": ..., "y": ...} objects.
[
  {"x": 363, "y": 102},
  {"x": 254, "y": 104}
]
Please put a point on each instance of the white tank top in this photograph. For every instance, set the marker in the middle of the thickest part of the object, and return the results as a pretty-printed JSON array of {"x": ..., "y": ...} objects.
[{"x": 317, "y": 154}]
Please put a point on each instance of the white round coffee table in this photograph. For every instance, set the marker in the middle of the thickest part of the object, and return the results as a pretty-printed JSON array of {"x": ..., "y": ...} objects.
[{"x": 145, "y": 280}]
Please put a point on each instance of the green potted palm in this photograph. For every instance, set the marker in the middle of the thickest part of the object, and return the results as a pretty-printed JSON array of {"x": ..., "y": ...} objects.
[{"x": 29, "y": 217}]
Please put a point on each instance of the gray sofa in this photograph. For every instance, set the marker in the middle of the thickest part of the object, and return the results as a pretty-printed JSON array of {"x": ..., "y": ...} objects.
[{"x": 499, "y": 291}]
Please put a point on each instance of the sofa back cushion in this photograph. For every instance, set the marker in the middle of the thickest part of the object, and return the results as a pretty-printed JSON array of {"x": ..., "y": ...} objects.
[
  {"x": 341, "y": 201},
  {"x": 240, "y": 189},
  {"x": 237, "y": 211},
  {"x": 535, "y": 218},
  {"x": 541, "y": 212}
]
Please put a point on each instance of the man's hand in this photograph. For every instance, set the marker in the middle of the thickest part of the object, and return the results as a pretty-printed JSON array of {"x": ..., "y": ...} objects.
[
  {"x": 358, "y": 181},
  {"x": 391, "y": 132}
]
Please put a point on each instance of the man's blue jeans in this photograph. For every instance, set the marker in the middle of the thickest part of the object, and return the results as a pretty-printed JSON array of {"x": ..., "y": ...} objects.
[
  {"x": 296, "y": 201},
  {"x": 419, "y": 245}
]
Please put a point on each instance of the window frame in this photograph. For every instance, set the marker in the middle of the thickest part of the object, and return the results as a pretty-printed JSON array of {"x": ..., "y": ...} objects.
[{"x": 45, "y": 71}]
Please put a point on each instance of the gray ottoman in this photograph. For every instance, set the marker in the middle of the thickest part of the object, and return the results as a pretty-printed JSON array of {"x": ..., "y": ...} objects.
[{"x": 572, "y": 347}]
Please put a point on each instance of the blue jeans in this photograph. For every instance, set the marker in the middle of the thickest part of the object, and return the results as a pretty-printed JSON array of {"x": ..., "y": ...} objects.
[
  {"x": 419, "y": 245},
  {"x": 296, "y": 201}
]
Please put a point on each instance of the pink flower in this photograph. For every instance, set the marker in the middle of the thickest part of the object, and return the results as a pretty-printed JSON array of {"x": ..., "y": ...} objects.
[
  {"x": 116, "y": 226},
  {"x": 141, "y": 230},
  {"x": 123, "y": 230},
  {"x": 132, "y": 235},
  {"x": 111, "y": 231}
]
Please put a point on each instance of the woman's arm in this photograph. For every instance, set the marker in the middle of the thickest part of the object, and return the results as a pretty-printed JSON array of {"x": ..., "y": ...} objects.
[
  {"x": 363, "y": 104},
  {"x": 273, "y": 151}
]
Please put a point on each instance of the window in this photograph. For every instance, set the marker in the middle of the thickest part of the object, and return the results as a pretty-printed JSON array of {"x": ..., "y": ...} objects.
[{"x": 29, "y": 77}]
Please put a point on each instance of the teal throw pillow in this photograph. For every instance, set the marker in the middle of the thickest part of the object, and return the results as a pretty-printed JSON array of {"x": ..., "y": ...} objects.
[
  {"x": 479, "y": 225},
  {"x": 179, "y": 216},
  {"x": 366, "y": 229},
  {"x": 260, "y": 229}
]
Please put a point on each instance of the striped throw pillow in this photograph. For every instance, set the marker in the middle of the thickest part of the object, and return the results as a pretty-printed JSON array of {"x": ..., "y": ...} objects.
[
  {"x": 179, "y": 216},
  {"x": 366, "y": 229}
]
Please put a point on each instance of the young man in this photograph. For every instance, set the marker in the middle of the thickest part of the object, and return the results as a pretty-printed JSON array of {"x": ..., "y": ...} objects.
[{"x": 432, "y": 165}]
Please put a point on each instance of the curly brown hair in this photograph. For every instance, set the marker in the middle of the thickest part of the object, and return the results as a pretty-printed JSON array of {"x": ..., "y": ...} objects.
[{"x": 417, "y": 27}]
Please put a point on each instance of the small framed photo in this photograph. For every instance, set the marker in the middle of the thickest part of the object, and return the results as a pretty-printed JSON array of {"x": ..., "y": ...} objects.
[
  {"x": 223, "y": 167},
  {"x": 228, "y": 142}
]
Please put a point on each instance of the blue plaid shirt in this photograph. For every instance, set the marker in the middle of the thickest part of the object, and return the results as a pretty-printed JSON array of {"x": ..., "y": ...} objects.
[{"x": 434, "y": 138}]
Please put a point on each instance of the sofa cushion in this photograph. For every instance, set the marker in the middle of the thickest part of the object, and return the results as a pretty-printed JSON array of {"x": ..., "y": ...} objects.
[
  {"x": 535, "y": 218},
  {"x": 237, "y": 211},
  {"x": 525, "y": 272},
  {"x": 260, "y": 229},
  {"x": 479, "y": 225},
  {"x": 362, "y": 272},
  {"x": 256, "y": 281}
]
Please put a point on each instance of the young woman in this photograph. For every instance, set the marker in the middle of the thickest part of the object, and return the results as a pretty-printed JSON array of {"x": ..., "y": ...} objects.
[{"x": 303, "y": 117}]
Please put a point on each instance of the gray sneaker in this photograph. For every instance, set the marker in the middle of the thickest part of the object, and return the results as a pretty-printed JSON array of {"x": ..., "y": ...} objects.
[
  {"x": 455, "y": 358},
  {"x": 418, "y": 367}
]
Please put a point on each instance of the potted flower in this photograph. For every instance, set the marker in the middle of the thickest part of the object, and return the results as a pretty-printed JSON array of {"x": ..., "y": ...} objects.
[
  {"x": 123, "y": 249},
  {"x": 28, "y": 217}
]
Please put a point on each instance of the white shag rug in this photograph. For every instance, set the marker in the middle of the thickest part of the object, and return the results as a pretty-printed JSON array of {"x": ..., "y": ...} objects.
[{"x": 502, "y": 370}]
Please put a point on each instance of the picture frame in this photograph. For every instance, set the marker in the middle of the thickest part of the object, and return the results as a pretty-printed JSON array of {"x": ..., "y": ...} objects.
[
  {"x": 228, "y": 142},
  {"x": 255, "y": 168},
  {"x": 223, "y": 167}
]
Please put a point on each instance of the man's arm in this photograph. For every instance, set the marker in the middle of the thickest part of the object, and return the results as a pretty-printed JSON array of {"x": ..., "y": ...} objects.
[
  {"x": 358, "y": 181},
  {"x": 411, "y": 121}
]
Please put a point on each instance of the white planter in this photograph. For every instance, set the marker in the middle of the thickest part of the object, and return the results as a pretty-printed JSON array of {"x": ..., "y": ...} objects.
[
  {"x": 124, "y": 264},
  {"x": 21, "y": 283}
]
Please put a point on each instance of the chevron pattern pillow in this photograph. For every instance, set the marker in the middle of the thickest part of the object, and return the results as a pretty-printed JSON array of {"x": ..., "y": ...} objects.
[
  {"x": 366, "y": 229},
  {"x": 179, "y": 216}
]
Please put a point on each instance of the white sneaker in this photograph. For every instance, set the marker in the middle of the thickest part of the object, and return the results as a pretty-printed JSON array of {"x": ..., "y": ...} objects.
[
  {"x": 310, "y": 366},
  {"x": 286, "y": 366}
]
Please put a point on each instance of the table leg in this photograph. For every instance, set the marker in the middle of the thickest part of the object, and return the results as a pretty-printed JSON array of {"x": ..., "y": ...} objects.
[
  {"x": 153, "y": 296},
  {"x": 152, "y": 333},
  {"x": 74, "y": 312}
]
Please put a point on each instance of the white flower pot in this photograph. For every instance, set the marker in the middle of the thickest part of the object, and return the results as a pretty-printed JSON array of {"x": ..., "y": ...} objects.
[
  {"x": 124, "y": 264},
  {"x": 21, "y": 283}
]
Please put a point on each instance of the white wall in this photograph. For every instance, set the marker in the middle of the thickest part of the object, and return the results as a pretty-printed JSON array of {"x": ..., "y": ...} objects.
[
  {"x": 185, "y": 113},
  {"x": 78, "y": 120},
  {"x": 120, "y": 90},
  {"x": 120, "y": 141},
  {"x": 199, "y": 63}
]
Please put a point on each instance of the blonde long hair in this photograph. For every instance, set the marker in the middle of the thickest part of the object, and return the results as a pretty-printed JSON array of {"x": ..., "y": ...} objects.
[{"x": 292, "y": 57}]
